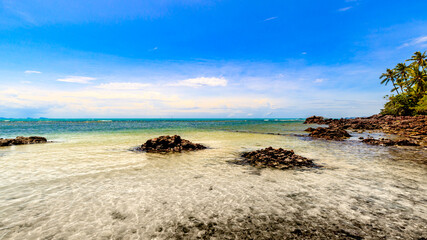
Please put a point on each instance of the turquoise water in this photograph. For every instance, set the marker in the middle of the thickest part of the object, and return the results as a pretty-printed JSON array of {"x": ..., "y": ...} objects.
[
  {"x": 87, "y": 184},
  {"x": 10, "y": 128}
]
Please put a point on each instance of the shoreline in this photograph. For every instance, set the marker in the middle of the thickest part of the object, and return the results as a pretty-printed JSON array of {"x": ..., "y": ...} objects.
[{"x": 410, "y": 128}]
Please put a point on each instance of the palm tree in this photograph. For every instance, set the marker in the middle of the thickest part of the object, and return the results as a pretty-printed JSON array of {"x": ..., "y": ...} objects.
[
  {"x": 402, "y": 75},
  {"x": 389, "y": 76},
  {"x": 419, "y": 59},
  {"x": 418, "y": 79}
]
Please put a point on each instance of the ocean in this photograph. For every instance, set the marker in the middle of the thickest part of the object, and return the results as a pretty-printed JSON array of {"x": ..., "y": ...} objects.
[{"x": 88, "y": 184}]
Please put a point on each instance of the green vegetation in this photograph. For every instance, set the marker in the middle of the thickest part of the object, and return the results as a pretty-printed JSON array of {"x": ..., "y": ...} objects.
[{"x": 410, "y": 85}]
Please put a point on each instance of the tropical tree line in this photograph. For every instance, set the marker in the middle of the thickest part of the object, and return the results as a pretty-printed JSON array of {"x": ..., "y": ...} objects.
[{"x": 409, "y": 82}]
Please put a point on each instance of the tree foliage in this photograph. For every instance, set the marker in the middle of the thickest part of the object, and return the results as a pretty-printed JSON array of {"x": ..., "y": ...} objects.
[{"x": 410, "y": 84}]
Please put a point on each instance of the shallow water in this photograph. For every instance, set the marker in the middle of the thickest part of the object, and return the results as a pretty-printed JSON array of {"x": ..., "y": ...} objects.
[{"x": 88, "y": 185}]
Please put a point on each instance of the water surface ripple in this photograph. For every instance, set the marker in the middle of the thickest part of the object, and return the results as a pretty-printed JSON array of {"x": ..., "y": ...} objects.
[{"x": 88, "y": 185}]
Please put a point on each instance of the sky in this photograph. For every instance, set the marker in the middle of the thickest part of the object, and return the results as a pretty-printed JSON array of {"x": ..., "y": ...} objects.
[{"x": 202, "y": 58}]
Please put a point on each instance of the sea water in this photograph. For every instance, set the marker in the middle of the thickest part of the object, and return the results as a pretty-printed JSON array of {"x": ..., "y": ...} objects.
[{"x": 87, "y": 184}]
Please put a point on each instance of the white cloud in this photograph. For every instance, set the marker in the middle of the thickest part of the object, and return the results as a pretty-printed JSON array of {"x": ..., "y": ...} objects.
[
  {"x": 123, "y": 86},
  {"x": 319, "y": 80},
  {"x": 344, "y": 9},
  {"x": 202, "y": 81},
  {"x": 422, "y": 41},
  {"x": 269, "y": 19},
  {"x": 76, "y": 79},
  {"x": 304, "y": 53},
  {"x": 31, "y": 72}
]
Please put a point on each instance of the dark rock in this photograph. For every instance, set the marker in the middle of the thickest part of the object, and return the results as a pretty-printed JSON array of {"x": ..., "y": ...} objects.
[
  {"x": 389, "y": 142},
  {"x": 169, "y": 144},
  {"x": 406, "y": 142},
  {"x": 382, "y": 142},
  {"x": 314, "y": 120},
  {"x": 310, "y": 129},
  {"x": 275, "y": 158},
  {"x": 412, "y": 128},
  {"x": 22, "y": 140},
  {"x": 329, "y": 133}
]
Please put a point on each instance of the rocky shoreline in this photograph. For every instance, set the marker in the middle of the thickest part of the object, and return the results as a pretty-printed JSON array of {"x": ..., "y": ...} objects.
[
  {"x": 165, "y": 144},
  {"x": 412, "y": 130},
  {"x": 22, "y": 140},
  {"x": 274, "y": 158}
]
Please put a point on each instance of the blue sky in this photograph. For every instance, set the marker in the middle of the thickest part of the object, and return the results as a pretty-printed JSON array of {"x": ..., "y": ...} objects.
[{"x": 197, "y": 58}]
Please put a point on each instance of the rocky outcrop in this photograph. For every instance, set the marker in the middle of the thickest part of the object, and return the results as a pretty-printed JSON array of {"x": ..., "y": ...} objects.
[
  {"x": 315, "y": 120},
  {"x": 310, "y": 129},
  {"x": 389, "y": 142},
  {"x": 346, "y": 123},
  {"x": 22, "y": 140},
  {"x": 169, "y": 144},
  {"x": 413, "y": 128},
  {"x": 329, "y": 133},
  {"x": 275, "y": 158}
]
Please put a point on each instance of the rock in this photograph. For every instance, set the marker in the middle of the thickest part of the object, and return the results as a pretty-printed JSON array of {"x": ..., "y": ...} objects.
[
  {"x": 329, "y": 133},
  {"x": 412, "y": 128},
  {"x": 382, "y": 142},
  {"x": 275, "y": 158},
  {"x": 310, "y": 129},
  {"x": 22, "y": 140},
  {"x": 314, "y": 120},
  {"x": 389, "y": 142},
  {"x": 169, "y": 144}
]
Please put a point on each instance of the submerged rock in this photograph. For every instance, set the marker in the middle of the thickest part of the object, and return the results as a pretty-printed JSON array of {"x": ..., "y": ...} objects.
[
  {"x": 169, "y": 144},
  {"x": 22, "y": 140},
  {"x": 275, "y": 158},
  {"x": 389, "y": 142},
  {"x": 329, "y": 133}
]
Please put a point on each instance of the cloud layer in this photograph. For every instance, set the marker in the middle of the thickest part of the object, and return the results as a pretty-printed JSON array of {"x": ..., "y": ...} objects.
[
  {"x": 262, "y": 91},
  {"x": 202, "y": 81},
  {"x": 31, "y": 72},
  {"x": 123, "y": 86},
  {"x": 77, "y": 79}
]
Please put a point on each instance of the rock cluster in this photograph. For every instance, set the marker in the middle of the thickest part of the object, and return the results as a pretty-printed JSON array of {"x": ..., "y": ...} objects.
[
  {"x": 169, "y": 144},
  {"x": 413, "y": 128},
  {"x": 389, "y": 142},
  {"x": 275, "y": 158},
  {"x": 22, "y": 140},
  {"x": 315, "y": 120},
  {"x": 329, "y": 133}
]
